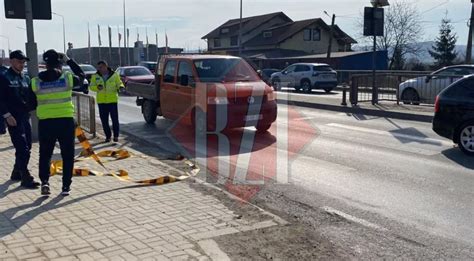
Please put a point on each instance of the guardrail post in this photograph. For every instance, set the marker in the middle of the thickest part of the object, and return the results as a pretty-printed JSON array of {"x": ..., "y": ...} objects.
[
  {"x": 353, "y": 97},
  {"x": 78, "y": 110},
  {"x": 344, "y": 90},
  {"x": 92, "y": 115}
]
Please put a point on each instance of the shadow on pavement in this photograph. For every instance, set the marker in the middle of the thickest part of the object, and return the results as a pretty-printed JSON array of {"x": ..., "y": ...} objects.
[
  {"x": 456, "y": 155},
  {"x": 6, "y": 185},
  {"x": 39, "y": 208},
  {"x": 313, "y": 92},
  {"x": 7, "y": 148}
]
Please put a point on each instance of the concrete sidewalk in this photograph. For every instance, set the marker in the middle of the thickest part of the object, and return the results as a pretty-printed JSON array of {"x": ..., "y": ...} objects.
[
  {"x": 105, "y": 218},
  {"x": 389, "y": 109}
]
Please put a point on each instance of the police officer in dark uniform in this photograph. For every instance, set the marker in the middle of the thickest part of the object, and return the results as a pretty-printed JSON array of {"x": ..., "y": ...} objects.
[
  {"x": 3, "y": 129},
  {"x": 15, "y": 95}
]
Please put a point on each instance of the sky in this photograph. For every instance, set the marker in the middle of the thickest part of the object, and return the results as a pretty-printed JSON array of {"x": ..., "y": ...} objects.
[{"x": 186, "y": 21}]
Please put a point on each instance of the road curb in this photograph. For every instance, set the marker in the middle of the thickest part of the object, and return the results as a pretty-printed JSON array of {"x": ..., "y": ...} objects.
[{"x": 358, "y": 110}]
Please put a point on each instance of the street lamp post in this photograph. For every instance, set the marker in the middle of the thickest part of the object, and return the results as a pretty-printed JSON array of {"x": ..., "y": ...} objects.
[
  {"x": 64, "y": 30},
  {"x": 331, "y": 34},
  {"x": 469, "y": 39},
  {"x": 8, "y": 42}
]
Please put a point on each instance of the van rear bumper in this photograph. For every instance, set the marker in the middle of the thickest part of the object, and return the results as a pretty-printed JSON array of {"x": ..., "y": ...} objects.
[{"x": 238, "y": 116}]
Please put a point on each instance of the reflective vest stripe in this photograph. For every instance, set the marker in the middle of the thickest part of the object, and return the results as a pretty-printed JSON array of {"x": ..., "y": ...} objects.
[
  {"x": 54, "y": 98},
  {"x": 54, "y": 101}
]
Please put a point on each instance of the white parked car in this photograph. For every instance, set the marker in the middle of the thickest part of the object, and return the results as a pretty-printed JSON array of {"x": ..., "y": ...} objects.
[
  {"x": 305, "y": 77},
  {"x": 424, "y": 89}
]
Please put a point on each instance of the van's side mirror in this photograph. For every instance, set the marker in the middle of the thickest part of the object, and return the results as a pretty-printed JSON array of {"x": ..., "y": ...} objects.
[
  {"x": 284, "y": 72},
  {"x": 184, "y": 80}
]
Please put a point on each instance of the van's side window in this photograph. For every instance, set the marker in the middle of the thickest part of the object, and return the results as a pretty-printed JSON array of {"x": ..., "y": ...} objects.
[
  {"x": 185, "y": 69},
  {"x": 170, "y": 70}
]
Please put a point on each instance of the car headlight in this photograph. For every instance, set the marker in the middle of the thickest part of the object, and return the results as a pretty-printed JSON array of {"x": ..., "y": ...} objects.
[{"x": 217, "y": 100}]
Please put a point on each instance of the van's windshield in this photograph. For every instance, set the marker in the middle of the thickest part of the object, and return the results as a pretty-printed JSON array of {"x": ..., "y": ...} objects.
[{"x": 225, "y": 70}]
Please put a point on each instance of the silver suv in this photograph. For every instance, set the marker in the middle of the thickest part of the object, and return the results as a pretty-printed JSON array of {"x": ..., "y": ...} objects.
[{"x": 305, "y": 77}]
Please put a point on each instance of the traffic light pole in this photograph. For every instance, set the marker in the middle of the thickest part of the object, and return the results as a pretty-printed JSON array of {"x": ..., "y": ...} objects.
[
  {"x": 374, "y": 65},
  {"x": 32, "y": 53},
  {"x": 469, "y": 39}
]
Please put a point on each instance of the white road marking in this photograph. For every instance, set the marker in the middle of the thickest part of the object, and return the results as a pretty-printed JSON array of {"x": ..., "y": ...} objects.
[
  {"x": 391, "y": 134},
  {"x": 351, "y": 218},
  {"x": 212, "y": 250}
]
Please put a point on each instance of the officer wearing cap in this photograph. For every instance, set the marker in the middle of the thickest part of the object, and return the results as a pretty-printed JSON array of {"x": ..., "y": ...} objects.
[
  {"x": 55, "y": 111},
  {"x": 15, "y": 95}
]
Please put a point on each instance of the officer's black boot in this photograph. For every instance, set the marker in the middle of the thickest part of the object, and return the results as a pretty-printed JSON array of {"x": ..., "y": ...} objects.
[
  {"x": 16, "y": 175},
  {"x": 28, "y": 181}
]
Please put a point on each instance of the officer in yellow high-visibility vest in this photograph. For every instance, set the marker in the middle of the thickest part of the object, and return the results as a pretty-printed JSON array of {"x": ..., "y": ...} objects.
[
  {"x": 107, "y": 84},
  {"x": 55, "y": 111}
]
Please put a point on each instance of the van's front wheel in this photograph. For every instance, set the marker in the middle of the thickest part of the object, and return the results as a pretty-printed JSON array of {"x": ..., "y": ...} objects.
[{"x": 149, "y": 111}]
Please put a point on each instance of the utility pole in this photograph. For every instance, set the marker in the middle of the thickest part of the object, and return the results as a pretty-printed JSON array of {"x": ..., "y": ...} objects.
[
  {"x": 331, "y": 35},
  {"x": 8, "y": 42},
  {"x": 32, "y": 53},
  {"x": 240, "y": 30},
  {"x": 64, "y": 29},
  {"x": 469, "y": 38}
]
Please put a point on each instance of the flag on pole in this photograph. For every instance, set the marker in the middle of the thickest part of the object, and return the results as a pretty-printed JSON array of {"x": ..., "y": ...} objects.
[
  {"x": 128, "y": 37},
  {"x": 98, "y": 32},
  {"x": 119, "y": 45},
  {"x": 110, "y": 43},
  {"x": 89, "y": 42},
  {"x": 147, "y": 44},
  {"x": 166, "y": 43},
  {"x": 110, "y": 37},
  {"x": 146, "y": 32}
]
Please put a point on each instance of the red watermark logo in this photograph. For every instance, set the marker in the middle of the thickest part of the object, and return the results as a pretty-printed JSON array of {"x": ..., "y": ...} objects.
[{"x": 260, "y": 148}]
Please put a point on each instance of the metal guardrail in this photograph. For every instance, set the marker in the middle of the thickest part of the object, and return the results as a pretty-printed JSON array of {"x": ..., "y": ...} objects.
[
  {"x": 85, "y": 112},
  {"x": 422, "y": 88},
  {"x": 345, "y": 76}
]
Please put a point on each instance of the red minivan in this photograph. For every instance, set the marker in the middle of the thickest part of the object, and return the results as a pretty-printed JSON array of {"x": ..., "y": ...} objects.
[{"x": 225, "y": 89}]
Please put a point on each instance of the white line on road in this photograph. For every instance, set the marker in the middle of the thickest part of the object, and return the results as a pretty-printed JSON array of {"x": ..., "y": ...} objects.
[
  {"x": 391, "y": 134},
  {"x": 212, "y": 250},
  {"x": 351, "y": 218}
]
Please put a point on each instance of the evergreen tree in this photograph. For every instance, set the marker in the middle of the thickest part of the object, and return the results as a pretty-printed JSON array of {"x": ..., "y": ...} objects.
[
  {"x": 443, "y": 49},
  {"x": 398, "y": 61}
]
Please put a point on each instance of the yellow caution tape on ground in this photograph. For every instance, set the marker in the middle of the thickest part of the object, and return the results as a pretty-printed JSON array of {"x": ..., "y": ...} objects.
[{"x": 88, "y": 152}]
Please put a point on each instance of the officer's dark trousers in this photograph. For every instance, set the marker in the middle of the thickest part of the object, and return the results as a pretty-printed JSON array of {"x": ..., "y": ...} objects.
[
  {"x": 50, "y": 131},
  {"x": 109, "y": 109},
  {"x": 21, "y": 139},
  {"x": 3, "y": 129}
]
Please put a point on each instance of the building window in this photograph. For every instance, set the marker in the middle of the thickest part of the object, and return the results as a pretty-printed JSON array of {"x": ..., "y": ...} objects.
[
  {"x": 316, "y": 35},
  {"x": 217, "y": 42},
  {"x": 307, "y": 34},
  {"x": 234, "y": 40},
  {"x": 224, "y": 30},
  {"x": 267, "y": 34}
]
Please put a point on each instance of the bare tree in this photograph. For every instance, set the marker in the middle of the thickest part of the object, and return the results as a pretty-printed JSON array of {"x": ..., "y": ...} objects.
[{"x": 402, "y": 31}]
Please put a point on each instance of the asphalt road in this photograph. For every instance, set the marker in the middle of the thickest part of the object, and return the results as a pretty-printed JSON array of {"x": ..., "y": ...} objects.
[{"x": 380, "y": 173}]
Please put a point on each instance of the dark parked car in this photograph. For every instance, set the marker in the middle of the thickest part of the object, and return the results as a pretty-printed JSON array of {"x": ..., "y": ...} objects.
[
  {"x": 266, "y": 74},
  {"x": 454, "y": 114},
  {"x": 88, "y": 70},
  {"x": 149, "y": 65}
]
